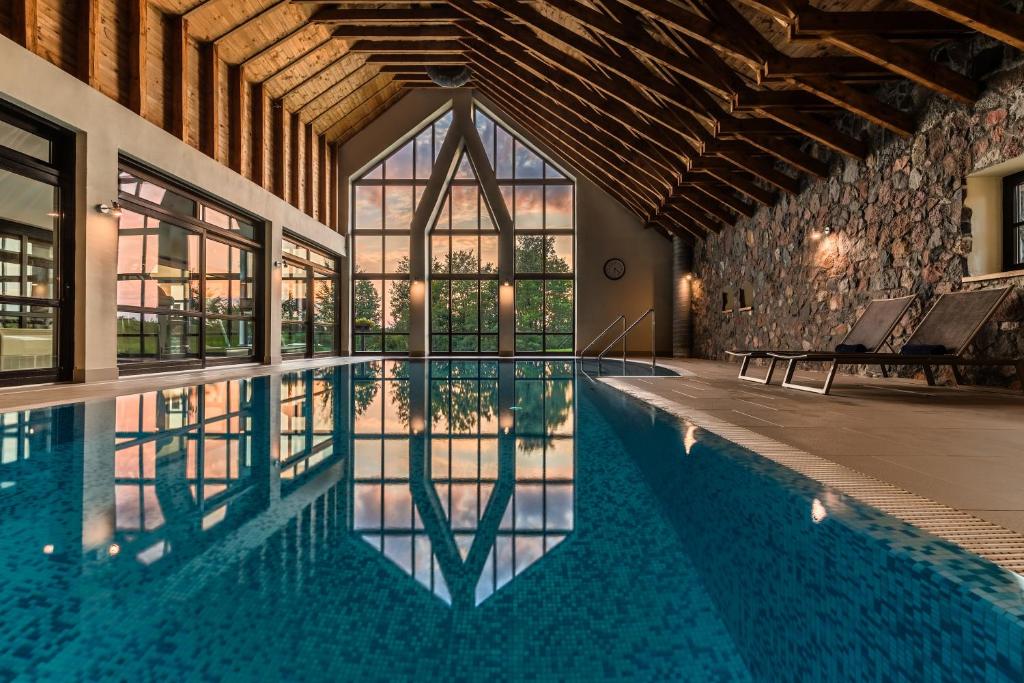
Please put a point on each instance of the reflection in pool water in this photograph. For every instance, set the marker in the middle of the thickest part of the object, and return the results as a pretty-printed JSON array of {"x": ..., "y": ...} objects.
[{"x": 457, "y": 520}]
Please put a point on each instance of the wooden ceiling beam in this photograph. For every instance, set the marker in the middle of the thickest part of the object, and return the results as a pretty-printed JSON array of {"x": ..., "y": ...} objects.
[
  {"x": 859, "y": 102},
  {"x": 275, "y": 44},
  {"x": 812, "y": 24},
  {"x": 376, "y": 32},
  {"x": 366, "y": 98},
  {"x": 615, "y": 150},
  {"x": 785, "y": 151},
  {"x": 316, "y": 119},
  {"x": 783, "y": 10},
  {"x": 366, "y": 119},
  {"x": 818, "y": 130},
  {"x": 781, "y": 67},
  {"x": 416, "y": 59},
  {"x": 983, "y": 16},
  {"x": 735, "y": 180},
  {"x": 499, "y": 22},
  {"x": 339, "y": 60},
  {"x": 718, "y": 192},
  {"x": 750, "y": 100},
  {"x": 687, "y": 230},
  {"x": 249, "y": 22},
  {"x": 576, "y": 77},
  {"x": 407, "y": 46},
  {"x": 579, "y": 155},
  {"x": 420, "y": 15},
  {"x": 697, "y": 215},
  {"x": 632, "y": 36},
  {"x": 291, "y": 63},
  {"x": 910, "y": 64},
  {"x": 719, "y": 210},
  {"x": 209, "y": 99},
  {"x": 236, "y": 118},
  {"x": 596, "y": 127}
]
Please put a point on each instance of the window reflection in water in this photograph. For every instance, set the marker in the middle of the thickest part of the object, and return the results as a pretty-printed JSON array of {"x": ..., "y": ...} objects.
[
  {"x": 308, "y": 420},
  {"x": 22, "y": 436},
  {"x": 485, "y": 492},
  {"x": 182, "y": 457}
]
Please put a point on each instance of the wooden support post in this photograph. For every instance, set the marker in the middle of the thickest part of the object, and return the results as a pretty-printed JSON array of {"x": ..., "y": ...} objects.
[
  {"x": 321, "y": 178},
  {"x": 88, "y": 24},
  {"x": 334, "y": 188},
  {"x": 294, "y": 138},
  {"x": 177, "y": 67},
  {"x": 236, "y": 120},
  {"x": 138, "y": 77},
  {"x": 258, "y": 135},
  {"x": 308, "y": 204},
  {"x": 25, "y": 23},
  {"x": 209, "y": 99},
  {"x": 277, "y": 135}
]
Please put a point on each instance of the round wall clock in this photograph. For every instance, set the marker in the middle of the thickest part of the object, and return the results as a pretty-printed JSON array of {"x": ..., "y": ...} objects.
[{"x": 614, "y": 268}]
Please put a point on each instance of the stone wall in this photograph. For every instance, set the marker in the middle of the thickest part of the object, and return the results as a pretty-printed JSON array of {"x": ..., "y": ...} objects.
[{"x": 900, "y": 227}]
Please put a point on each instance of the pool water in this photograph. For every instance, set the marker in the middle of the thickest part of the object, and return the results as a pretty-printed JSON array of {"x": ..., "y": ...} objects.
[{"x": 458, "y": 520}]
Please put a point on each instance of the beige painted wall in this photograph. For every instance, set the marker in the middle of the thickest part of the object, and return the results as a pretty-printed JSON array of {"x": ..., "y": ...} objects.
[
  {"x": 605, "y": 229},
  {"x": 105, "y": 129},
  {"x": 985, "y": 200}
]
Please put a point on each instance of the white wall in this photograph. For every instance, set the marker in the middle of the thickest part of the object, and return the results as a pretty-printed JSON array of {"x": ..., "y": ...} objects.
[
  {"x": 604, "y": 227},
  {"x": 104, "y": 129}
]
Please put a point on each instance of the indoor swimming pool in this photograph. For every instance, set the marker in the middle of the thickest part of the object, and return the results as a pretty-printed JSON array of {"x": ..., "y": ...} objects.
[{"x": 458, "y": 520}]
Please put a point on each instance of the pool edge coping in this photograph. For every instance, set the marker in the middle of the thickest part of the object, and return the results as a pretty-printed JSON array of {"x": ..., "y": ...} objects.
[{"x": 997, "y": 544}]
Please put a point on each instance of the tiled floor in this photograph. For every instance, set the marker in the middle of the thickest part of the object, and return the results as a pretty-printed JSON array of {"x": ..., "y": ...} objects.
[{"x": 963, "y": 447}]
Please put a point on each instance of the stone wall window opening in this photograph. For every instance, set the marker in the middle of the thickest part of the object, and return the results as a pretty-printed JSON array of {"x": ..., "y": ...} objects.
[
  {"x": 745, "y": 298},
  {"x": 1013, "y": 222},
  {"x": 384, "y": 200},
  {"x": 188, "y": 278},
  {"x": 463, "y": 257},
  {"x": 541, "y": 201}
]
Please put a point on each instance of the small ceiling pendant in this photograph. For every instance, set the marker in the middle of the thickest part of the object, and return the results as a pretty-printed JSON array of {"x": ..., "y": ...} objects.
[{"x": 454, "y": 76}]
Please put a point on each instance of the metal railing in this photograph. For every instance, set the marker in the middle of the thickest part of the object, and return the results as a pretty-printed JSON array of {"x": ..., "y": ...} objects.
[
  {"x": 622, "y": 336},
  {"x": 593, "y": 341}
]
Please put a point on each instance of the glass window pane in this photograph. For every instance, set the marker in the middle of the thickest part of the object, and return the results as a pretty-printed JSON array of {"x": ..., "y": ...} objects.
[
  {"x": 441, "y": 131},
  {"x": 325, "y": 304},
  {"x": 464, "y": 254},
  {"x": 23, "y": 141},
  {"x": 465, "y": 306},
  {"x": 489, "y": 306},
  {"x": 464, "y": 343},
  {"x": 396, "y": 343},
  {"x": 507, "y": 194},
  {"x": 27, "y": 201},
  {"x": 294, "y": 306},
  {"x": 489, "y": 254},
  {"x": 529, "y": 343},
  {"x": 485, "y": 129},
  {"x": 368, "y": 254},
  {"x": 396, "y": 305},
  {"x": 26, "y": 337},
  {"x": 503, "y": 154},
  {"x": 528, "y": 164},
  {"x": 368, "y": 201},
  {"x": 558, "y": 306},
  {"x": 552, "y": 173},
  {"x": 217, "y": 218},
  {"x": 293, "y": 337},
  {"x": 229, "y": 338},
  {"x": 558, "y": 343},
  {"x": 439, "y": 316},
  {"x": 558, "y": 207},
  {"x": 398, "y": 208},
  {"x": 375, "y": 173},
  {"x": 464, "y": 207},
  {"x": 399, "y": 165},
  {"x": 529, "y": 306},
  {"x": 367, "y": 305},
  {"x": 529, "y": 207},
  {"x": 439, "y": 255},
  {"x": 424, "y": 154},
  {"x": 439, "y": 343},
  {"x": 530, "y": 253},
  {"x": 396, "y": 254},
  {"x": 558, "y": 253},
  {"x": 465, "y": 169}
]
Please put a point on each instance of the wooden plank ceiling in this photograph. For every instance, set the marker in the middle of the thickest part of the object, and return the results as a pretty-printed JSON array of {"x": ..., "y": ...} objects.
[{"x": 690, "y": 112}]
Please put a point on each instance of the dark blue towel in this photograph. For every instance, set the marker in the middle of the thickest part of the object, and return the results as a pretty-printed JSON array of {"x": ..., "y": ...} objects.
[
  {"x": 923, "y": 350},
  {"x": 851, "y": 348}
]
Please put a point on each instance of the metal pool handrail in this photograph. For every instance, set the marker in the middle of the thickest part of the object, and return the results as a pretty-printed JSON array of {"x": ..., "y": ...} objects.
[
  {"x": 648, "y": 312},
  {"x": 593, "y": 341}
]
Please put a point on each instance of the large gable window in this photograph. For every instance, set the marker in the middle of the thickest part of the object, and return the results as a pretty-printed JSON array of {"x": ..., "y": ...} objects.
[{"x": 463, "y": 243}]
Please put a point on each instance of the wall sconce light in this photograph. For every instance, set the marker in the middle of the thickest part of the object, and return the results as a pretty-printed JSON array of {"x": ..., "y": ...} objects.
[
  {"x": 112, "y": 209},
  {"x": 506, "y": 283},
  {"x": 688, "y": 277},
  {"x": 827, "y": 230},
  {"x": 277, "y": 263}
]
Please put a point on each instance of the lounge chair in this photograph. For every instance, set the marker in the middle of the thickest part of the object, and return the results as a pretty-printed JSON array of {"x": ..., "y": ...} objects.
[
  {"x": 871, "y": 331},
  {"x": 941, "y": 339}
]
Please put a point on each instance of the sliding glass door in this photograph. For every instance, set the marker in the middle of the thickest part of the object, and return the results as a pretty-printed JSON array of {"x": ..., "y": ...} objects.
[
  {"x": 309, "y": 287},
  {"x": 36, "y": 253},
  {"x": 187, "y": 279}
]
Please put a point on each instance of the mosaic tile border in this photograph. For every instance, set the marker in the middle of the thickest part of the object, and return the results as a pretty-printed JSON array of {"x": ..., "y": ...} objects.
[{"x": 996, "y": 544}]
